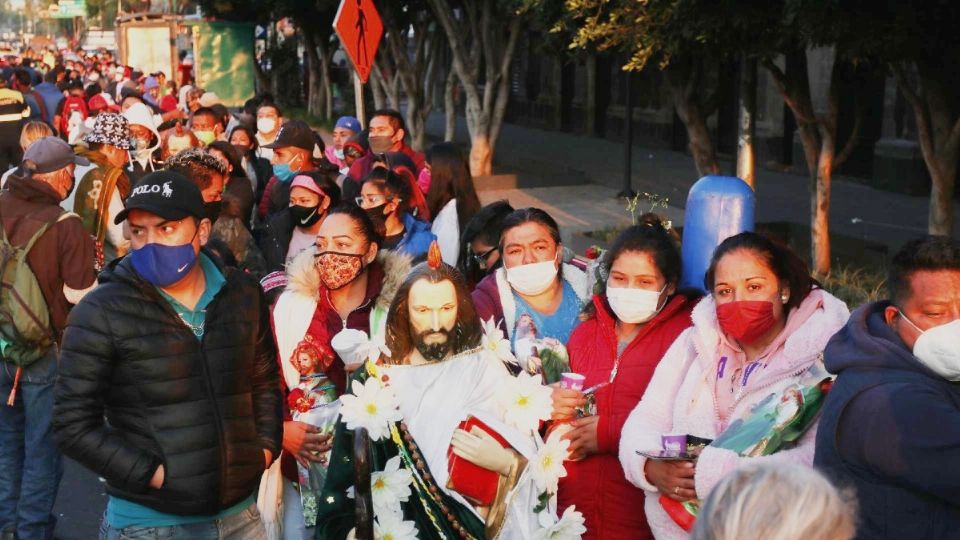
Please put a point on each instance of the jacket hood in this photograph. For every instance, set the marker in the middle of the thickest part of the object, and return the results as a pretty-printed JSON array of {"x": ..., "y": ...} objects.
[
  {"x": 866, "y": 341},
  {"x": 807, "y": 341},
  {"x": 31, "y": 190},
  {"x": 303, "y": 278},
  {"x": 141, "y": 115}
]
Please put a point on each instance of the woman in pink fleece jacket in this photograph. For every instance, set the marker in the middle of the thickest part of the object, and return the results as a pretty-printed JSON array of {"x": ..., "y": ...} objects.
[{"x": 764, "y": 324}]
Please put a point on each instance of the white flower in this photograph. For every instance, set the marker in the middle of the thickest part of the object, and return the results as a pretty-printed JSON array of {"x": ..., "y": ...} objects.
[
  {"x": 392, "y": 527},
  {"x": 525, "y": 401},
  {"x": 569, "y": 527},
  {"x": 495, "y": 343},
  {"x": 372, "y": 406},
  {"x": 547, "y": 468},
  {"x": 390, "y": 487},
  {"x": 376, "y": 347}
]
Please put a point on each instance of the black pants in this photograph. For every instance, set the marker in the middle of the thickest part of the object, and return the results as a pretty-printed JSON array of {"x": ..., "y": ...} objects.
[{"x": 10, "y": 152}]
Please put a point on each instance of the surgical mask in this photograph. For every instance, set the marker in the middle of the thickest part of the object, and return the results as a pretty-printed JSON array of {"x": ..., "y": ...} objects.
[
  {"x": 380, "y": 144},
  {"x": 938, "y": 348},
  {"x": 175, "y": 149},
  {"x": 211, "y": 210},
  {"x": 338, "y": 152},
  {"x": 266, "y": 125},
  {"x": 283, "y": 172},
  {"x": 746, "y": 320},
  {"x": 163, "y": 265},
  {"x": 634, "y": 306},
  {"x": 534, "y": 278},
  {"x": 205, "y": 136},
  {"x": 337, "y": 270},
  {"x": 305, "y": 216}
]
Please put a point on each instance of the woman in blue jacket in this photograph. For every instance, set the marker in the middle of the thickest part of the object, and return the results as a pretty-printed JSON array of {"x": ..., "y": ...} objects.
[{"x": 385, "y": 196}]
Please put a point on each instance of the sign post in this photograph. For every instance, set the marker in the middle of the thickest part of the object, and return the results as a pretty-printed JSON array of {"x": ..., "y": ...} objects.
[{"x": 359, "y": 27}]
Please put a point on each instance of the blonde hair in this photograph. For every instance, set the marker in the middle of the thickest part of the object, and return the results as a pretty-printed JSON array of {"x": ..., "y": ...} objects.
[
  {"x": 775, "y": 502},
  {"x": 34, "y": 130}
]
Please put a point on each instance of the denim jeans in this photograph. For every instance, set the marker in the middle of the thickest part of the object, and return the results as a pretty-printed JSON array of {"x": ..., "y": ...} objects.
[
  {"x": 30, "y": 464},
  {"x": 244, "y": 525}
]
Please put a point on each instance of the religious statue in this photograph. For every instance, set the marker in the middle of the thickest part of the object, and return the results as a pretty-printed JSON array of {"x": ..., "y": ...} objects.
[{"x": 455, "y": 448}]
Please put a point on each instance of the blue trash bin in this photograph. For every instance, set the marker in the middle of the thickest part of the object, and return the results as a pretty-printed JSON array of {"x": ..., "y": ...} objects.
[{"x": 718, "y": 207}]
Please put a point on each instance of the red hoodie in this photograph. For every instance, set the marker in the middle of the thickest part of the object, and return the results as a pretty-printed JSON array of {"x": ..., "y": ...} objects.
[{"x": 612, "y": 507}]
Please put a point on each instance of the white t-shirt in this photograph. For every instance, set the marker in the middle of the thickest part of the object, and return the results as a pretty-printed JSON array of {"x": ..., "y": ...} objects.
[
  {"x": 298, "y": 242},
  {"x": 447, "y": 229}
]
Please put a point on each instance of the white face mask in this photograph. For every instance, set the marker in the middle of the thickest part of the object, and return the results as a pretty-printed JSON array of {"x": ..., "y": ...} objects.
[
  {"x": 939, "y": 348},
  {"x": 338, "y": 152},
  {"x": 634, "y": 306},
  {"x": 534, "y": 278},
  {"x": 266, "y": 125}
]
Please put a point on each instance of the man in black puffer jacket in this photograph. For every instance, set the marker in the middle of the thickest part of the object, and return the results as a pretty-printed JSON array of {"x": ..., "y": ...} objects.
[{"x": 177, "y": 356}]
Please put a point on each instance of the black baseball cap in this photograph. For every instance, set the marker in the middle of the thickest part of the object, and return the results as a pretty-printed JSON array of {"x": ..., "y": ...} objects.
[
  {"x": 167, "y": 194},
  {"x": 50, "y": 154},
  {"x": 294, "y": 133}
]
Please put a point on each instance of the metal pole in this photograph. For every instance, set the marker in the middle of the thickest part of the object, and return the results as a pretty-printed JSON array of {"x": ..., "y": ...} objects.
[
  {"x": 627, "y": 190},
  {"x": 358, "y": 95},
  {"x": 746, "y": 156}
]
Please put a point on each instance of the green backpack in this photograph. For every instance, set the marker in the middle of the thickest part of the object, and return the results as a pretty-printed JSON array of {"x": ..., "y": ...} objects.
[{"x": 25, "y": 332}]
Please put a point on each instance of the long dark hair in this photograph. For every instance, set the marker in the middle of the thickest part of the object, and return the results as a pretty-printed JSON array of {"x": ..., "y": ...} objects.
[
  {"x": 523, "y": 216},
  {"x": 392, "y": 185},
  {"x": 466, "y": 333},
  {"x": 781, "y": 260},
  {"x": 450, "y": 179}
]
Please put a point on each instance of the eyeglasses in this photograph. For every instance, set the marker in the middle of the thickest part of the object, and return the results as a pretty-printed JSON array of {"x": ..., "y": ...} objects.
[
  {"x": 375, "y": 200},
  {"x": 481, "y": 258}
]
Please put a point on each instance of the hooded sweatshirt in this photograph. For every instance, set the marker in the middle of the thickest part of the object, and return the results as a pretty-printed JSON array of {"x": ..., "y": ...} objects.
[
  {"x": 142, "y": 162},
  {"x": 681, "y": 398},
  {"x": 890, "y": 429}
]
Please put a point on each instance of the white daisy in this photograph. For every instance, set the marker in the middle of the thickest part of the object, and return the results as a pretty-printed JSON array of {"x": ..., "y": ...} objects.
[
  {"x": 372, "y": 406},
  {"x": 525, "y": 401},
  {"x": 569, "y": 527},
  {"x": 392, "y": 527},
  {"x": 390, "y": 487},
  {"x": 547, "y": 468},
  {"x": 495, "y": 343}
]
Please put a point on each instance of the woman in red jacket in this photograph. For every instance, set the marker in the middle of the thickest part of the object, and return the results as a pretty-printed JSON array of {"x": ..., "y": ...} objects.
[{"x": 628, "y": 329}]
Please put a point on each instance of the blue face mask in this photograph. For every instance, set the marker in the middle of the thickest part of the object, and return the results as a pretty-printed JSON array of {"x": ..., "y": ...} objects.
[
  {"x": 163, "y": 265},
  {"x": 283, "y": 172}
]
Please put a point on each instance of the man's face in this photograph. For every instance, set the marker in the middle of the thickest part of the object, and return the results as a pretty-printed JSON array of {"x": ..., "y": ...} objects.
[
  {"x": 147, "y": 228},
  {"x": 203, "y": 122},
  {"x": 934, "y": 300},
  {"x": 380, "y": 127},
  {"x": 341, "y": 136},
  {"x": 289, "y": 155},
  {"x": 214, "y": 192},
  {"x": 433, "y": 315}
]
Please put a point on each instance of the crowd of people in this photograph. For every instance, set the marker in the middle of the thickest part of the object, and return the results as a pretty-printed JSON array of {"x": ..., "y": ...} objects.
[{"x": 203, "y": 306}]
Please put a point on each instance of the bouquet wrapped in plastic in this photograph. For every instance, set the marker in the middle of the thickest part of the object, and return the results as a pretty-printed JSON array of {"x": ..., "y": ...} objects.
[{"x": 775, "y": 423}]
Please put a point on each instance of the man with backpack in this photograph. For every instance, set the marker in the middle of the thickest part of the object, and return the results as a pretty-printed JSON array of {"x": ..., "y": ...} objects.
[
  {"x": 46, "y": 264},
  {"x": 71, "y": 113}
]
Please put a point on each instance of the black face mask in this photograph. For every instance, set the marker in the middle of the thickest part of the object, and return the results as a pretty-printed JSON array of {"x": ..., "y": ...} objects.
[
  {"x": 378, "y": 218},
  {"x": 305, "y": 216},
  {"x": 211, "y": 210}
]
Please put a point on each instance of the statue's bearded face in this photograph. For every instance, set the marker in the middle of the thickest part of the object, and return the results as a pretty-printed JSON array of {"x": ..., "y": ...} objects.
[{"x": 433, "y": 315}]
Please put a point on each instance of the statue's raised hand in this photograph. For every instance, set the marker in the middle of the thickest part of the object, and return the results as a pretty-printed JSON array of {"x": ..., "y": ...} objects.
[{"x": 481, "y": 449}]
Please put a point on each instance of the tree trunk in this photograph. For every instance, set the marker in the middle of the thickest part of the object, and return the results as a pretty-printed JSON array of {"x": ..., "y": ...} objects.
[
  {"x": 324, "y": 54},
  {"x": 492, "y": 49},
  {"x": 450, "y": 106},
  {"x": 315, "y": 91},
  {"x": 681, "y": 77},
  {"x": 746, "y": 156},
  {"x": 938, "y": 132},
  {"x": 820, "y": 204},
  {"x": 376, "y": 86}
]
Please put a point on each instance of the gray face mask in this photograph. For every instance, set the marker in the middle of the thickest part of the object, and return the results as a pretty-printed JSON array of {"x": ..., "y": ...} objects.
[{"x": 380, "y": 144}]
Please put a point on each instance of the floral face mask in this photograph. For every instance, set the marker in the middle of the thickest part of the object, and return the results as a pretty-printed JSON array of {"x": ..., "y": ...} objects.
[{"x": 337, "y": 270}]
